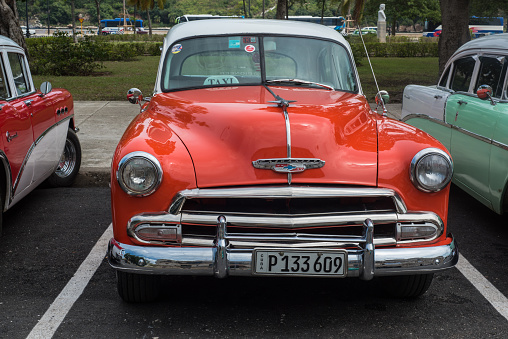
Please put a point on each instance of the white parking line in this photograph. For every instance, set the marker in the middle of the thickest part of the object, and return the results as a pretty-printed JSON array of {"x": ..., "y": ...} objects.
[
  {"x": 492, "y": 294},
  {"x": 57, "y": 311},
  {"x": 51, "y": 320}
]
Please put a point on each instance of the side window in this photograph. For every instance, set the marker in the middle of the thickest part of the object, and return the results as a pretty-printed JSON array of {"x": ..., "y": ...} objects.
[
  {"x": 19, "y": 73},
  {"x": 462, "y": 74},
  {"x": 492, "y": 73},
  {"x": 4, "y": 87},
  {"x": 444, "y": 78}
]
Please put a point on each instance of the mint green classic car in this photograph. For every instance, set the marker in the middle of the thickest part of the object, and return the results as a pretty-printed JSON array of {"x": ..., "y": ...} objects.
[{"x": 467, "y": 111}]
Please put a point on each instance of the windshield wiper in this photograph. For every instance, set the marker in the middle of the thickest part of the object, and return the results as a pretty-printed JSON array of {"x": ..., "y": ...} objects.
[{"x": 299, "y": 82}]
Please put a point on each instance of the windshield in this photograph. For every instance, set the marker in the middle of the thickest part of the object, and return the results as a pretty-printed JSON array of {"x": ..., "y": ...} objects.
[{"x": 254, "y": 60}]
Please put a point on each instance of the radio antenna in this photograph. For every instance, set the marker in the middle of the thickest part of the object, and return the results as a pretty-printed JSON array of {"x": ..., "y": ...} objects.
[{"x": 373, "y": 75}]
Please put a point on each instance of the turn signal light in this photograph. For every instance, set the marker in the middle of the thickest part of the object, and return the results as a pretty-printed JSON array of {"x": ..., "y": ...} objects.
[
  {"x": 416, "y": 232},
  {"x": 157, "y": 233}
]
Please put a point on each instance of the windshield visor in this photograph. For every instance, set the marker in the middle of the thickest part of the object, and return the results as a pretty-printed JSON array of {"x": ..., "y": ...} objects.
[{"x": 253, "y": 60}]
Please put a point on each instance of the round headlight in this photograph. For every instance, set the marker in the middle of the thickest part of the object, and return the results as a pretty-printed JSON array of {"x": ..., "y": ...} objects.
[
  {"x": 431, "y": 170},
  {"x": 139, "y": 174}
]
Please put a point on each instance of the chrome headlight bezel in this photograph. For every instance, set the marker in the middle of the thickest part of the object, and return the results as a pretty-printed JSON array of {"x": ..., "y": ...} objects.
[
  {"x": 419, "y": 160},
  {"x": 150, "y": 161}
]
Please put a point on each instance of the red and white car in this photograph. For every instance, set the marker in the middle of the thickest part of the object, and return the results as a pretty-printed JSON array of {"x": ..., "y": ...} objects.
[
  {"x": 38, "y": 139},
  {"x": 259, "y": 155}
]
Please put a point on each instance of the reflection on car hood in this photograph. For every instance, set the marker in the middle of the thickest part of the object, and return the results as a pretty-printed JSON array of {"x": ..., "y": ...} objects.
[{"x": 226, "y": 129}]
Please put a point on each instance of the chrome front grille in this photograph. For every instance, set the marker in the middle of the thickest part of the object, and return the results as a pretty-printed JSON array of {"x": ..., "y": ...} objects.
[{"x": 290, "y": 216}]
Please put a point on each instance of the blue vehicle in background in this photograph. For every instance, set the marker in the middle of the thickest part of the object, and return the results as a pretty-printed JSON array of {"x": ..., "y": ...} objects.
[
  {"x": 479, "y": 26},
  {"x": 119, "y": 26}
]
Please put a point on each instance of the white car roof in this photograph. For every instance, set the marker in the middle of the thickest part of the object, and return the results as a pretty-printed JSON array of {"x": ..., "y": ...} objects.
[
  {"x": 5, "y": 41},
  {"x": 494, "y": 41},
  {"x": 251, "y": 26}
]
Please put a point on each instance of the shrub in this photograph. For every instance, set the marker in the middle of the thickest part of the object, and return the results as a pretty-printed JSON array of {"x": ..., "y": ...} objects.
[
  {"x": 394, "y": 47},
  {"x": 59, "y": 55}
]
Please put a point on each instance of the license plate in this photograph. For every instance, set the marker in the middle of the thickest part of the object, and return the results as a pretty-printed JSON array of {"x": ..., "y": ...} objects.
[{"x": 300, "y": 262}]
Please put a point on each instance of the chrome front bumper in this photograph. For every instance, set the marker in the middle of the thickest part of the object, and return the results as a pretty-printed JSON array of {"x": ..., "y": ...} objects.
[{"x": 221, "y": 261}]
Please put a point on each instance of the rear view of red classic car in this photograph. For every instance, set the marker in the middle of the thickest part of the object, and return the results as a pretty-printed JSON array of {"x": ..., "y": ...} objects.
[
  {"x": 38, "y": 141},
  {"x": 258, "y": 155}
]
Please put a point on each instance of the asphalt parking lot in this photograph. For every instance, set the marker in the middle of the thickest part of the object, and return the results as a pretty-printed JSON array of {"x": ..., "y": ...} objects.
[{"x": 56, "y": 281}]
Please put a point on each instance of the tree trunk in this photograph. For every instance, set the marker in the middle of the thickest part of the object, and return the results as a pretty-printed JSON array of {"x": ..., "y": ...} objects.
[
  {"x": 322, "y": 11},
  {"x": 149, "y": 22},
  {"x": 98, "y": 5},
  {"x": 9, "y": 23},
  {"x": 455, "y": 22},
  {"x": 281, "y": 9},
  {"x": 73, "y": 22}
]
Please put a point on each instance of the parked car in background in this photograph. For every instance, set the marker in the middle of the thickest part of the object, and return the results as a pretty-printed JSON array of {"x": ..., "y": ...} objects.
[
  {"x": 468, "y": 112},
  {"x": 38, "y": 139},
  {"x": 258, "y": 155},
  {"x": 365, "y": 30}
]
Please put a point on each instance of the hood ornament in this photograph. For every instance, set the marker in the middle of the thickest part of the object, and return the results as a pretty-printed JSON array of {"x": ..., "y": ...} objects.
[{"x": 288, "y": 165}]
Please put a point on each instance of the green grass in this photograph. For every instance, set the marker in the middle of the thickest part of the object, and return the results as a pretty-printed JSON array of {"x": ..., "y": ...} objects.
[
  {"x": 393, "y": 74},
  {"x": 112, "y": 83}
]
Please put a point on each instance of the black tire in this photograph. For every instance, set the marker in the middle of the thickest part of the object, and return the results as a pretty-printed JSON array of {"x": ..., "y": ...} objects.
[
  {"x": 407, "y": 286},
  {"x": 138, "y": 288},
  {"x": 69, "y": 164},
  {"x": 1, "y": 212}
]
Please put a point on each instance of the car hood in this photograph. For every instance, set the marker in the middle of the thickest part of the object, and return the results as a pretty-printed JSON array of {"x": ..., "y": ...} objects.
[{"x": 225, "y": 129}]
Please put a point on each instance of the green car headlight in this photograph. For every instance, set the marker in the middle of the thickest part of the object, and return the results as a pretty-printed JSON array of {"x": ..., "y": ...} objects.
[
  {"x": 139, "y": 174},
  {"x": 431, "y": 170}
]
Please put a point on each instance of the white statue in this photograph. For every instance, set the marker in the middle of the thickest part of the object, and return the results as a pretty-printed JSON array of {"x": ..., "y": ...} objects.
[{"x": 381, "y": 16}]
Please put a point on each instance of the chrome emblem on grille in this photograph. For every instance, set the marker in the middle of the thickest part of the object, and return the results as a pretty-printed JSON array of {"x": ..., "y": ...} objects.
[{"x": 288, "y": 165}]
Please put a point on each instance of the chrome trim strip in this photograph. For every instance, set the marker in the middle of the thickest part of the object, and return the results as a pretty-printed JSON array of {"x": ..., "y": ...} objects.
[
  {"x": 289, "y": 223},
  {"x": 426, "y": 117},
  {"x": 459, "y": 129},
  {"x": 283, "y": 192},
  {"x": 29, "y": 153},
  {"x": 201, "y": 260}
]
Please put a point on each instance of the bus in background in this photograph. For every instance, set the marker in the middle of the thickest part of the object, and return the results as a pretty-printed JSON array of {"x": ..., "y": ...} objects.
[
  {"x": 336, "y": 22},
  {"x": 193, "y": 17},
  {"x": 116, "y": 26},
  {"x": 479, "y": 26}
]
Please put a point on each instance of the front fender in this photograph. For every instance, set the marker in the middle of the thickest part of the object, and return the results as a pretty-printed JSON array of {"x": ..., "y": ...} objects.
[
  {"x": 148, "y": 134},
  {"x": 398, "y": 144}
]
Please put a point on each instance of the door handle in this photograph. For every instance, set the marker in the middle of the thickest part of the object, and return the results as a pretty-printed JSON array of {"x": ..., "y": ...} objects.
[
  {"x": 28, "y": 102},
  {"x": 10, "y": 136},
  {"x": 462, "y": 102},
  {"x": 437, "y": 96}
]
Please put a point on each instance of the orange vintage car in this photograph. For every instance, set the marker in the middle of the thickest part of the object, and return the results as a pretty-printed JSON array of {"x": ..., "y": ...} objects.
[{"x": 258, "y": 155}]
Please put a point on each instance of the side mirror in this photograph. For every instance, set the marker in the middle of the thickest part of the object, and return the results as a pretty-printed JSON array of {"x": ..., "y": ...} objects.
[
  {"x": 134, "y": 96},
  {"x": 382, "y": 98},
  {"x": 484, "y": 92},
  {"x": 382, "y": 95},
  {"x": 46, "y": 88}
]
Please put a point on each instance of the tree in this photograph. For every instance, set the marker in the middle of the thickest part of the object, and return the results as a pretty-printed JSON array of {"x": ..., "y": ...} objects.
[
  {"x": 282, "y": 8},
  {"x": 455, "y": 32},
  {"x": 98, "y": 5},
  {"x": 146, "y": 5},
  {"x": 357, "y": 6},
  {"x": 9, "y": 23}
]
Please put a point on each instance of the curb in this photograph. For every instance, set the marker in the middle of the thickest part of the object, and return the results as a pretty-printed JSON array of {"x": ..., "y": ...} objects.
[{"x": 92, "y": 178}]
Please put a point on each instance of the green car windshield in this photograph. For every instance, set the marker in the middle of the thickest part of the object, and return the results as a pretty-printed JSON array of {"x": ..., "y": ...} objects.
[{"x": 254, "y": 60}]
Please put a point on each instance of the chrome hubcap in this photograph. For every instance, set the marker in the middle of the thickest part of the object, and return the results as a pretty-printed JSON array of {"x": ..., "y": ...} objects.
[{"x": 67, "y": 160}]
